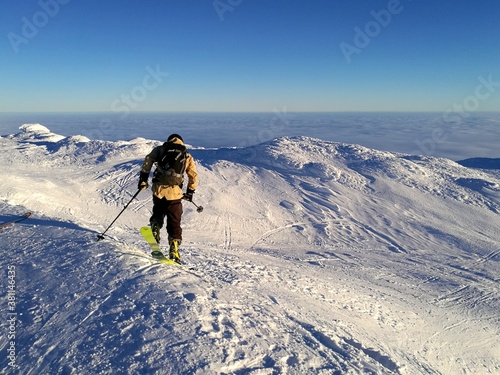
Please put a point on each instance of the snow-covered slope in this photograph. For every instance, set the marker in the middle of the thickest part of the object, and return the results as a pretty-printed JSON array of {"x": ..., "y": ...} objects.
[{"x": 310, "y": 257}]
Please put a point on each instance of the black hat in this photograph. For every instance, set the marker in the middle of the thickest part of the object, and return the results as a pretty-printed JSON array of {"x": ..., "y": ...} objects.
[{"x": 172, "y": 136}]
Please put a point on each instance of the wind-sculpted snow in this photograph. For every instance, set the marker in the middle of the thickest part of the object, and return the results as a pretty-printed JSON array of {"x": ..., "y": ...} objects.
[{"x": 310, "y": 257}]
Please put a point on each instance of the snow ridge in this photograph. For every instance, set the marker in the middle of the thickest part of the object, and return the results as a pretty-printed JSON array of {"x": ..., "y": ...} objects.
[{"x": 310, "y": 257}]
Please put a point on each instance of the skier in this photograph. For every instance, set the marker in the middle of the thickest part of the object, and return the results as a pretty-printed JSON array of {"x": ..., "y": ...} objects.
[{"x": 172, "y": 161}]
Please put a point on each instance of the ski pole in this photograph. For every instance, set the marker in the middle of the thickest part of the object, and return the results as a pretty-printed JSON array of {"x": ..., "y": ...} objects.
[
  {"x": 101, "y": 236},
  {"x": 199, "y": 209}
]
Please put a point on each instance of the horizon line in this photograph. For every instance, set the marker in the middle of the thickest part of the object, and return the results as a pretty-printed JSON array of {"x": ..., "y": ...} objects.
[{"x": 271, "y": 111}]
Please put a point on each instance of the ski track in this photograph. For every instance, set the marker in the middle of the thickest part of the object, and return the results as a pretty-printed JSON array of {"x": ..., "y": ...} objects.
[{"x": 301, "y": 264}]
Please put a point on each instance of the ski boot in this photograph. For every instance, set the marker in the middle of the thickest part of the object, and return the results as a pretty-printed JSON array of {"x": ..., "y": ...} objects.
[
  {"x": 155, "y": 228},
  {"x": 174, "y": 251}
]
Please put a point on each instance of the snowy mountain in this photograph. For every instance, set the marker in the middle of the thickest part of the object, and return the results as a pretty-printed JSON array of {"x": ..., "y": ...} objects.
[{"x": 310, "y": 257}]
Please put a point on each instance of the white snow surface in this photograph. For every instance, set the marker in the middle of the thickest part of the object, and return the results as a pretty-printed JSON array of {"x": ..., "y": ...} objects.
[{"x": 310, "y": 257}]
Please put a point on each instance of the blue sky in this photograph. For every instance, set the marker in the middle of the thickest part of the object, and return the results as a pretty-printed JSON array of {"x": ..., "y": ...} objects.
[{"x": 249, "y": 55}]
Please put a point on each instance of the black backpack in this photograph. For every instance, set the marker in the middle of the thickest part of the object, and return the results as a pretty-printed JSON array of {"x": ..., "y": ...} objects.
[{"x": 171, "y": 165}]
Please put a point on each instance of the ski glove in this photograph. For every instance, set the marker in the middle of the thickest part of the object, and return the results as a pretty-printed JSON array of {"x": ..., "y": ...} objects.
[
  {"x": 189, "y": 195},
  {"x": 143, "y": 181}
]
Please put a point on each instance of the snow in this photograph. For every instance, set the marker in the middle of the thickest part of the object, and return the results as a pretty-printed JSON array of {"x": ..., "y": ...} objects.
[
  {"x": 37, "y": 132},
  {"x": 310, "y": 257}
]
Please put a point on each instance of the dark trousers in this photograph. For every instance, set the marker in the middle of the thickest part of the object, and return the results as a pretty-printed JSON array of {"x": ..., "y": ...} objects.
[{"x": 172, "y": 210}]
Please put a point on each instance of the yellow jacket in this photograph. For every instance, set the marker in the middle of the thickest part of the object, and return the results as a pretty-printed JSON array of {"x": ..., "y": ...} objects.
[{"x": 166, "y": 191}]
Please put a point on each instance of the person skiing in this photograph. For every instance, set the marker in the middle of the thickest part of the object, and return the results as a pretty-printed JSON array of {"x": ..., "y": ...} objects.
[{"x": 172, "y": 161}]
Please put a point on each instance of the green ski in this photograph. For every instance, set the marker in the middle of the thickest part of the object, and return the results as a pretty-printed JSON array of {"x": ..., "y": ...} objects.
[{"x": 156, "y": 252}]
